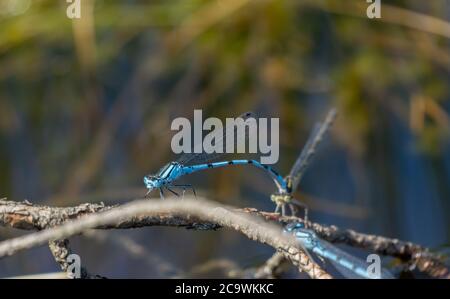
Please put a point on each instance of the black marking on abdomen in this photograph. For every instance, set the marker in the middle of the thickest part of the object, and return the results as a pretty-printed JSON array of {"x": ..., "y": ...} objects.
[
  {"x": 230, "y": 162},
  {"x": 210, "y": 165},
  {"x": 249, "y": 161},
  {"x": 274, "y": 172}
]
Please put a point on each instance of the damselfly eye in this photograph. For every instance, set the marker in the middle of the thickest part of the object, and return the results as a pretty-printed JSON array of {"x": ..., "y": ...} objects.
[{"x": 148, "y": 179}]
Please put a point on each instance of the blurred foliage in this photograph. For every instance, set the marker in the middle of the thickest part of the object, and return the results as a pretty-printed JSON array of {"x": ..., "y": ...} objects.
[{"x": 86, "y": 105}]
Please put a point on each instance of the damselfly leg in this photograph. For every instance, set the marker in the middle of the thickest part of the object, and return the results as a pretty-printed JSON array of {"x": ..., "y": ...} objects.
[
  {"x": 303, "y": 207},
  {"x": 277, "y": 208},
  {"x": 184, "y": 187},
  {"x": 282, "y": 200},
  {"x": 173, "y": 192}
]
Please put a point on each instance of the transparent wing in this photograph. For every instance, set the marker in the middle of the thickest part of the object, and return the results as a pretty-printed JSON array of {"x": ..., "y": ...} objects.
[
  {"x": 199, "y": 158},
  {"x": 348, "y": 265},
  {"x": 346, "y": 273},
  {"x": 309, "y": 149}
]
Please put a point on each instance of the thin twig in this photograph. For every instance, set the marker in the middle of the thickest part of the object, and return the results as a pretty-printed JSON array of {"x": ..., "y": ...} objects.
[
  {"x": 272, "y": 268},
  {"x": 61, "y": 251}
]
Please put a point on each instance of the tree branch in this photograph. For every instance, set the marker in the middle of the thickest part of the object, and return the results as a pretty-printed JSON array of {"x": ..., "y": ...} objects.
[
  {"x": 23, "y": 215},
  {"x": 148, "y": 211}
]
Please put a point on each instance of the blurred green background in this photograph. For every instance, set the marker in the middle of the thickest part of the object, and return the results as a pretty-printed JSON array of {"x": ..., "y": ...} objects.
[{"x": 86, "y": 107}]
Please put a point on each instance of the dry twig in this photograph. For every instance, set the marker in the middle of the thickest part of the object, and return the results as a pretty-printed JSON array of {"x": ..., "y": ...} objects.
[
  {"x": 24, "y": 215},
  {"x": 150, "y": 212}
]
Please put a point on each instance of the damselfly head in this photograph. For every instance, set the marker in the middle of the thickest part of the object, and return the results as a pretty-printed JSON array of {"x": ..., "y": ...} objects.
[
  {"x": 151, "y": 182},
  {"x": 298, "y": 229}
]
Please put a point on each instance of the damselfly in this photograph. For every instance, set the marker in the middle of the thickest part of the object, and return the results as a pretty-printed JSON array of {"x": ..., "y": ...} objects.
[
  {"x": 284, "y": 195},
  {"x": 193, "y": 162},
  {"x": 348, "y": 265}
]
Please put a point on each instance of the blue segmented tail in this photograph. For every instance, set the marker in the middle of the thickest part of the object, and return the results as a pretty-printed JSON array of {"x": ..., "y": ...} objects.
[
  {"x": 279, "y": 180},
  {"x": 218, "y": 137}
]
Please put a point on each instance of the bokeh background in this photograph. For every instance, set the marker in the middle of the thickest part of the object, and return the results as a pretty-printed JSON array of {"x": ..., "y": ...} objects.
[{"x": 86, "y": 107}]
